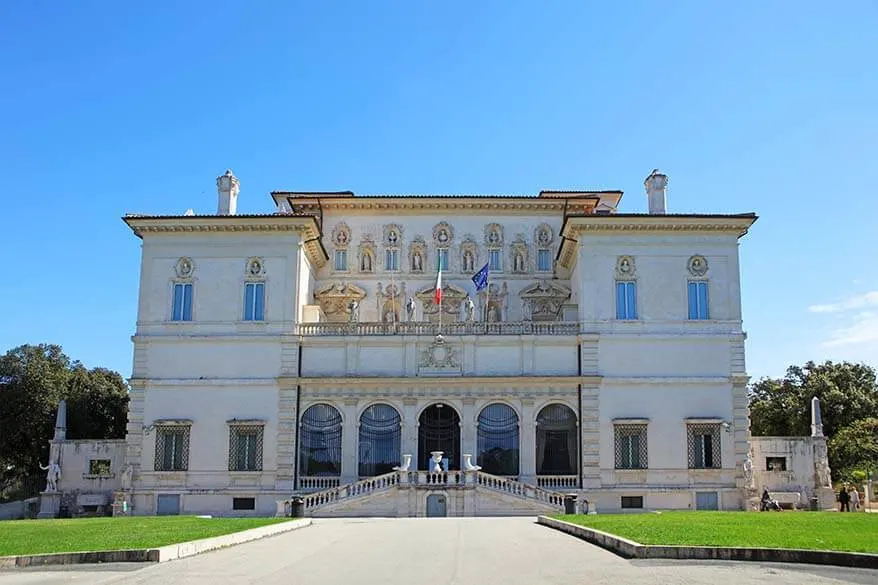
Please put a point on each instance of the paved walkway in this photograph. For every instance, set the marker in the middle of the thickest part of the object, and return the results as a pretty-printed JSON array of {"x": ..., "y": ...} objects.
[{"x": 465, "y": 551}]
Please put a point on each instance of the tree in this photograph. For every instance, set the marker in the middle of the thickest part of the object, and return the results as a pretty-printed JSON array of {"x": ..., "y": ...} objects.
[
  {"x": 856, "y": 449},
  {"x": 33, "y": 380},
  {"x": 848, "y": 394}
]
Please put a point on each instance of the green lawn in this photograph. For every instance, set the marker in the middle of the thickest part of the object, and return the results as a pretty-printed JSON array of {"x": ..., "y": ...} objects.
[
  {"x": 804, "y": 530},
  {"x": 22, "y": 537}
]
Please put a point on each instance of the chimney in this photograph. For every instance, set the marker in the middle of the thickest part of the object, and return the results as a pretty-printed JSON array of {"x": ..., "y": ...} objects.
[
  {"x": 656, "y": 192},
  {"x": 227, "y": 193}
]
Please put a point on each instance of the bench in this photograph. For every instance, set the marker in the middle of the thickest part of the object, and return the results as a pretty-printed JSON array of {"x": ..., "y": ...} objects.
[{"x": 787, "y": 499}]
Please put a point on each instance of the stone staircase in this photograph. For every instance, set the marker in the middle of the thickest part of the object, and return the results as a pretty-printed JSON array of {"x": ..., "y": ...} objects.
[{"x": 405, "y": 494}]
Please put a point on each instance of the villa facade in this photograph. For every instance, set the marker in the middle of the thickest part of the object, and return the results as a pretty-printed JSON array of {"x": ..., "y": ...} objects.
[{"x": 303, "y": 352}]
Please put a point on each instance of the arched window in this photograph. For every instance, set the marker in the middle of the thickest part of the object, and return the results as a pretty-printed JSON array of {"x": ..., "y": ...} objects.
[
  {"x": 380, "y": 435},
  {"x": 439, "y": 430},
  {"x": 320, "y": 441},
  {"x": 498, "y": 440},
  {"x": 557, "y": 440}
]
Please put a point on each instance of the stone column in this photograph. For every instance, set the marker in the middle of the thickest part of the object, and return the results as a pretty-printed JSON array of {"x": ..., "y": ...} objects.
[
  {"x": 349, "y": 439},
  {"x": 527, "y": 442}
]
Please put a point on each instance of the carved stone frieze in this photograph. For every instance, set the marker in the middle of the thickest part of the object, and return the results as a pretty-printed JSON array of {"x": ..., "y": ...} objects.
[
  {"x": 335, "y": 300},
  {"x": 543, "y": 300},
  {"x": 452, "y": 299}
]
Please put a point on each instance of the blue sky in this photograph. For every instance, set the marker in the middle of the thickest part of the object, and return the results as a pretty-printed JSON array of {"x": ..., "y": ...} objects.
[{"x": 109, "y": 108}]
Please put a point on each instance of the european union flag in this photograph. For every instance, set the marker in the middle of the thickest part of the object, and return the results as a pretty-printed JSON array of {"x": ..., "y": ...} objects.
[{"x": 480, "y": 278}]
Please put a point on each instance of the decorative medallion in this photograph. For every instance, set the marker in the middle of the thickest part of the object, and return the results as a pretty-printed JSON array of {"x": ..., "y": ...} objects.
[
  {"x": 439, "y": 355},
  {"x": 254, "y": 267},
  {"x": 442, "y": 234},
  {"x": 493, "y": 235},
  {"x": 392, "y": 235},
  {"x": 625, "y": 267},
  {"x": 697, "y": 265},
  {"x": 543, "y": 235},
  {"x": 341, "y": 235},
  {"x": 185, "y": 267}
]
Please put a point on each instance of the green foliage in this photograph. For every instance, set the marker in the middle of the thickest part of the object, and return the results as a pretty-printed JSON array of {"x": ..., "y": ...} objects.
[
  {"x": 33, "y": 380},
  {"x": 848, "y": 395},
  {"x": 855, "y": 448},
  {"x": 803, "y": 530},
  {"x": 24, "y": 537}
]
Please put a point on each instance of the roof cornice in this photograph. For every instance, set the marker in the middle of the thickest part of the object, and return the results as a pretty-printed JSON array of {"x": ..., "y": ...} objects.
[
  {"x": 584, "y": 205},
  {"x": 199, "y": 224},
  {"x": 737, "y": 225}
]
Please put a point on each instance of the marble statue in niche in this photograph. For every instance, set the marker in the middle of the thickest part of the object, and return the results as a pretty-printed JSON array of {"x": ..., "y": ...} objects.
[
  {"x": 366, "y": 262},
  {"x": 417, "y": 262},
  {"x": 468, "y": 261}
]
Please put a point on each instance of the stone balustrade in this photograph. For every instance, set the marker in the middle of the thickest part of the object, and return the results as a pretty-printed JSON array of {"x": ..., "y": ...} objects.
[
  {"x": 310, "y": 484},
  {"x": 425, "y": 480},
  {"x": 432, "y": 329},
  {"x": 558, "y": 482}
]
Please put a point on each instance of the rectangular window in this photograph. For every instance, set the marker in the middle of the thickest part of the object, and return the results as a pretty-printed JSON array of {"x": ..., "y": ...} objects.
[
  {"x": 99, "y": 467},
  {"x": 341, "y": 260},
  {"x": 182, "y": 310},
  {"x": 495, "y": 263},
  {"x": 544, "y": 260},
  {"x": 698, "y": 302},
  {"x": 245, "y": 447},
  {"x": 172, "y": 448},
  {"x": 254, "y": 301},
  {"x": 626, "y": 300},
  {"x": 630, "y": 446},
  {"x": 775, "y": 463},
  {"x": 632, "y": 501},
  {"x": 443, "y": 259},
  {"x": 391, "y": 260},
  {"x": 243, "y": 503},
  {"x": 704, "y": 446}
]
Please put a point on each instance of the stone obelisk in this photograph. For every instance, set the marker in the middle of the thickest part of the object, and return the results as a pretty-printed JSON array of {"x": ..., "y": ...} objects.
[{"x": 822, "y": 479}]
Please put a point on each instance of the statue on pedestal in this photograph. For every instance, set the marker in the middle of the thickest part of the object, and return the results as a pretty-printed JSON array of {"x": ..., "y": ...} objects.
[
  {"x": 410, "y": 309},
  {"x": 469, "y": 309},
  {"x": 355, "y": 311},
  {"x": 52, "y": 477},
  {"x": 127, "y": 477}
]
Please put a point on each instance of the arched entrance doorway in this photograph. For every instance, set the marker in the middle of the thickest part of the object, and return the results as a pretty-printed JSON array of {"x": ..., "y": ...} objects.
[
  {"x": 439, "y": 430},
  {"x": 556, "y": 441}
]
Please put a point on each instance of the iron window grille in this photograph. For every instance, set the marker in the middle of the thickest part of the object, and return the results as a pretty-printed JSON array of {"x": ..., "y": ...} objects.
[
  {"x": 245, "y": 447},
  {"x": 498, "y": 448},
  {"x": 380, "y": 435},
  {"x": 172, "y": 448},
  {"x": 631, "y": 446},
  {"x": 704, "y": 446},
  {"x": 320, "y": 436}
]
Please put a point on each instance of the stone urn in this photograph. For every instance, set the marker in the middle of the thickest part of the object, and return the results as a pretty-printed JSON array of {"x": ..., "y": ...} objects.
[
  {"x": 437, "y": 461},
  {"x": 406, "y": 463},
  {"x": 468, "y": 463}
]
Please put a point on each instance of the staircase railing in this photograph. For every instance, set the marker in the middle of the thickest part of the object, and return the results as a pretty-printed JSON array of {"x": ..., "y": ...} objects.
[{"x": 511, "y": 486}]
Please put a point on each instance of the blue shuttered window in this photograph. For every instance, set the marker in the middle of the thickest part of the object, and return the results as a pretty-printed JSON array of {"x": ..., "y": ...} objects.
[
  {"x": 698, "y": 301},
  {"x": 254, "y": 301},
  {"x": 182, "y": 309},
  {"x": 626, "y": 300}
]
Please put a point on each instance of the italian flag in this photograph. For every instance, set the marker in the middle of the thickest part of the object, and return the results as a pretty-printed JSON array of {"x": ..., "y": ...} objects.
[{"x": 437, "y": 294}]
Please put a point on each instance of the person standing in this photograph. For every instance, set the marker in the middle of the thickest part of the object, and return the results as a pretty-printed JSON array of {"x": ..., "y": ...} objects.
[
  {"x": 854, "y": 493},
  {"x": 844, "y": 500}
]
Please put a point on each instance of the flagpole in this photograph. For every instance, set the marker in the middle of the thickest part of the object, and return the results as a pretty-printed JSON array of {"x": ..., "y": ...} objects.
[{"x": 440, "y": 306}]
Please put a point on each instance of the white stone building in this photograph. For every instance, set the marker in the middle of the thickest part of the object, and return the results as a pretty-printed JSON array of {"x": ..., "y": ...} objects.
[{"x": 275, "y": 355}]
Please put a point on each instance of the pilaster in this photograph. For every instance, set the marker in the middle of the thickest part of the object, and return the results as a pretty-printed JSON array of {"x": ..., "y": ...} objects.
[
  {"x": 589, "y": 424},
  {"x": 740, "y": 427},
  {"x": 410, "y": 430},
  {"x": 468, "y": 431},
  {"x": 527, "y": 448},
  {"x": 134, "y": 428},
  {"x": 287, "y": 415},
  {"x": 349, "y": 437}
]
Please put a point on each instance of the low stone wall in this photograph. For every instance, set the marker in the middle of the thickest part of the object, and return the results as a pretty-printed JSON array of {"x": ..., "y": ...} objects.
[{"x": 634, "y": 550}]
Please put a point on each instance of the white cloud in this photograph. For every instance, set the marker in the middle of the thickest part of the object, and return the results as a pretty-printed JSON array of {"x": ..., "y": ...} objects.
[
  {"x": 864, "y": 330},
  {"x": 869, "y": 299}
]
